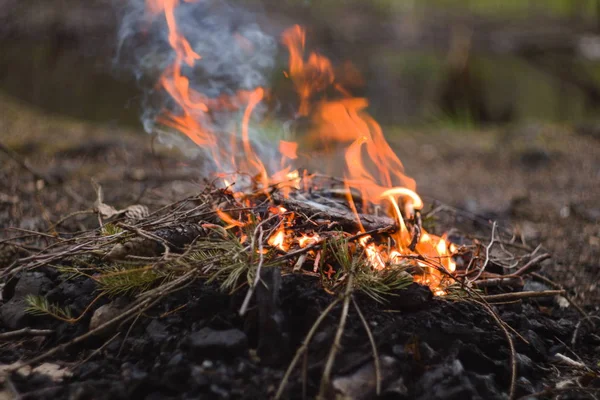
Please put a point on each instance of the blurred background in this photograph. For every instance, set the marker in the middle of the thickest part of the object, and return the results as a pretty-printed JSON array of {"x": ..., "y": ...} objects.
[
  {"x": 436, "y": 61},
  {"x": 492, "y": 105}
]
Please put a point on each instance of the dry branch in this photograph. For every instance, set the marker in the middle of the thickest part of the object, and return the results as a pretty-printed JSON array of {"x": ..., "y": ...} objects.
[
  {"x": 25, "y": 332},
  {"x": 522, "y": 295}
]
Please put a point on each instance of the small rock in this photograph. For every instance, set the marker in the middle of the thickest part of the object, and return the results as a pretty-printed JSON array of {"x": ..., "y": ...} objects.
[
  {"x": 362, "y": 384},
  {"x": 427, "y": 353},
  {"x": 13, "y": 314},
  {"x": 537, "y": 344},
  {"x": 34, "y": 283},
  {"x": 525, "y": 385},
  {"x": 175, "y": 360},
  {"x": 535, "y": 286},
  {"x": 524, "y": 364},
  {"x": 157, "y": 331},
  {"x": 106, "y": 312},
  {"x": 208, "y": 342}
]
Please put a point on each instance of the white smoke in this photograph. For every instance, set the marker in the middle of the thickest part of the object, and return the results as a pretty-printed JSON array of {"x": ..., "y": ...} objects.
[{"x": 236, "y": 55}]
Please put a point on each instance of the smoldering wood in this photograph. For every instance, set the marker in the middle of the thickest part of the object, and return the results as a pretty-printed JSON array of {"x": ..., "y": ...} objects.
[{"x": 341, "y": 215}]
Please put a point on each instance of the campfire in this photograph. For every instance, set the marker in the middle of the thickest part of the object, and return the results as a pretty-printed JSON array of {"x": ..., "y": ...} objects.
[
  {"x": 342, "y": 136},
  {"x": 306, "y": 266}
]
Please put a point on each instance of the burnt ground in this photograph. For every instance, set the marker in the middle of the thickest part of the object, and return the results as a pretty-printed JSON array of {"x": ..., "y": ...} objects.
[{"x": 541, "y": 181}]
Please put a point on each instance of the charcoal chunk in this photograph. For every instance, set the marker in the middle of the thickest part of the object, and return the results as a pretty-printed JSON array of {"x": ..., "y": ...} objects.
[
  {"x": 209, "y": 343},
  {"x": 13, "y": 313}
]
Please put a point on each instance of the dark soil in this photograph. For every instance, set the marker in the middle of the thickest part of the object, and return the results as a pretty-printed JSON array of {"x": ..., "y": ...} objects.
[{"x": 195, "y": 345}]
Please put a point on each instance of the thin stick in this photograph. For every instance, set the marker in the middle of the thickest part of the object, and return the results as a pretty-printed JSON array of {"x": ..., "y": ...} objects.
[
  {"x": 304, "y": 347},
  {"x": 98, "y": 350},
  {"x": 499, "y": 282},
  {"x": 71, "y": 215},
  {"x": 511, "y": 346},
  {"x": 25, "y": 332},
  {"x": 532, "y": 263},
  {"x": 373, "y": 348},
  {"x": 148, "y": 235},
  {"x": 326, "y": 378},
  {"x": 522, "y": 295},
  {"x": 487, "y": 254},
  {"x": 251, "y": 288}
]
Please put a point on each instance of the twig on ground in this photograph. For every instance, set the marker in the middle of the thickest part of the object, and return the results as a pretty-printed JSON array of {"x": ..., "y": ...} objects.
[
  {"x": 522, "y": 295},
  {"x": 376, "y": 360},
  {"x": 148, "y": 235},
  {"x": 326, "y": 377},
  {"x": 532, "y": 263},
  {"x": 304, "y": 347},
  {"x": 487, "y": 256},
  {"x": 68, "y": 216},
  {"x": 98, "y": 350},
  {"x": 25, "y": 332},
  {"x": 517, "y": 281},
  {"x": 511, "y": 346}
]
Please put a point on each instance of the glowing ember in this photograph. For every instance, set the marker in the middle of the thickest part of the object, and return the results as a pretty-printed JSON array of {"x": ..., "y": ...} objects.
[
  {"x": 341, "y": 134},
  {"x": 306, "y": 240},
  {"x": 278, "y": 240}
]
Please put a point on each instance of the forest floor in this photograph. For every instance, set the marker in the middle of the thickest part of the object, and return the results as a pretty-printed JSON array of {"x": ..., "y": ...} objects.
[{"x": 539, "y": 181}]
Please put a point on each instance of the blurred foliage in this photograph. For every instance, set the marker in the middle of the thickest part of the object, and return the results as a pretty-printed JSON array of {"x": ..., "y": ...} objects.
[{"x": 404, "y": 86}]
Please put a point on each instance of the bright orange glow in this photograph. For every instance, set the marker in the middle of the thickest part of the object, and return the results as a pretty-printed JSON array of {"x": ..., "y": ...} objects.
[
  {"x": 229, "y": 220},
  {"x": 306, "y": 240},
  {"x": 288, "y": 149},
  {"x": 374, "y": 256},
  {"x": 278, "y": 240}
]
